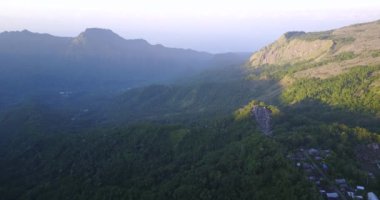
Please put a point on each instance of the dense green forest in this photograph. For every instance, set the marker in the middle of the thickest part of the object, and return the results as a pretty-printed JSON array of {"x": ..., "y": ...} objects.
[
  {"x": 193, "y": 155},
  {"x": 192, "y": 141},
  {"x": 218, "y": 159},
  {"x": 354, "y": 90},
  {"x": 226, "y": 160},
  {"x": 201, "y": 137},
  {"x": 186, "y": 102}
]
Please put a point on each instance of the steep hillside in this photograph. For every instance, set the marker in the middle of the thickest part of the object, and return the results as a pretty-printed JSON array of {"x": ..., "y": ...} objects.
[
  {"x": 214, "y": 93},
  {"x": 291, "y": 48},
  {"x": 183, "y": 102},
  {"x": 339, "y": 67},
  {"x": 322, "y": 54},
  {"x": 76, "y": 138}
]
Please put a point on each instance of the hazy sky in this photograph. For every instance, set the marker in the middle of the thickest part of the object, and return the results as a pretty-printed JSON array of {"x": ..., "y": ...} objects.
[{"x": 209, "y": 25}]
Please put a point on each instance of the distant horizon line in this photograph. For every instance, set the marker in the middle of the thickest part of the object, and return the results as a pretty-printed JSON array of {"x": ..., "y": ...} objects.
[
  {"x": 168, "y": 46},
  {"x": 128, "y": 39}
]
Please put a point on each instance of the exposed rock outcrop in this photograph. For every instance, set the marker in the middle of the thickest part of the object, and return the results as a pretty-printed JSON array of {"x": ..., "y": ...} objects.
[
  {"x": 262, "y": 115},
  {"x": 322, "y": 54},
  {"x": 291, "y": 49}
]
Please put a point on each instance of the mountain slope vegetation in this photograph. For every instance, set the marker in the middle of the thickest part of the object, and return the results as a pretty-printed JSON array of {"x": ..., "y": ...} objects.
[
  {"x": 345, "y": 74},
  {"x": 196, "y": 137},
  {"x": 97, "y": 61}
]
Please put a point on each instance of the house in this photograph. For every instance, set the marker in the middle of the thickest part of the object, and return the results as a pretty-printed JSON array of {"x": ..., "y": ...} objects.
[
  {"x": 371, "y": 175},
  {"x": 343, "y": 188},
  {"x": 325, "y": 167},
  {"x": 332, "y": 195},
  {"x": 372, "y": 196},
  {"x": 358, "y": 187},
  {"x": 340, "y": 181},
  {"x": 307, "y": 166},
  {"x": 374, "y": 146},
  {"x": 327, "y": 152},
  {"x": 318, "y": 158},
  {"x": 313, "y": 151},
  {"x": 351, "y": 194}
]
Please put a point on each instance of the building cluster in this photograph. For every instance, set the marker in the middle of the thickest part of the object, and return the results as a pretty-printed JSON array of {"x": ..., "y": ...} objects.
[
  {"x": 312, "y": 163},
  {"x": 369, "y": 156}
]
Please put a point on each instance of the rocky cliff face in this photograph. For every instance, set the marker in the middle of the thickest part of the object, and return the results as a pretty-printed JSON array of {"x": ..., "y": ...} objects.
[
  {"x": 262, "y": 115},
  {"x": 290, "y": 48},
  {"x": 323, "y": 54}
]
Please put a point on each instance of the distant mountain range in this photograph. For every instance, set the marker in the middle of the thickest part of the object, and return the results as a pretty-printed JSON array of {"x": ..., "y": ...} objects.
[
  {"x": 98, "y": 49},
  {"x": 100, "y": 117},
  {"x": 97, "y": 59},
  {"x": 340, "y": 68}
]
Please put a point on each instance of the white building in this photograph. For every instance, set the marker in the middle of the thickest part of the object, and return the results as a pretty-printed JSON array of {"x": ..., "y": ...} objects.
[{"x": 372, "y": 196}]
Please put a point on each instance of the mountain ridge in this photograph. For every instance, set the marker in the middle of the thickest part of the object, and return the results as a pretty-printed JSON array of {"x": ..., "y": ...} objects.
[
  {"x": 95, "y": 33},
  {"x": 79, "y": 139},
  {"x": 96, "y": 60},
  {"x": 321, "y": 54},
  {"x": 338, "y": 67}
]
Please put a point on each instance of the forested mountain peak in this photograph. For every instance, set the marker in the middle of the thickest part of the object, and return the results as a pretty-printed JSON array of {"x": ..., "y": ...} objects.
[
  {"x": 95, "y": 58},
  {"x": 101, "y": 119},
  {"x": 104, "y": 37}
]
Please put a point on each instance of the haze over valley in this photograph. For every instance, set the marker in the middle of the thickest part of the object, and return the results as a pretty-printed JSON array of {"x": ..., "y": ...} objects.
[{"x": 189, "y": 100}]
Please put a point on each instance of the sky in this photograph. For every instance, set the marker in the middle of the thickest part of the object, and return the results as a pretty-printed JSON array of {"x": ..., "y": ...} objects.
[{"x": 207, "y": 25}]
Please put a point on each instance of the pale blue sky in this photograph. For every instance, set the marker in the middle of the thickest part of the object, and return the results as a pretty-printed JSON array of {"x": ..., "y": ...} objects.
[{"x": 215, "y": 26}]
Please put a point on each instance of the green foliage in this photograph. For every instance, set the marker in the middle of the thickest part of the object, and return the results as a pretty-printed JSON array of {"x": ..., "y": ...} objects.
[
  {"x": 351, "y": 90},
  {"x": 46, "y": 153},
  {"x": 340, "y": 41},
  {"x": 190, "y": 102},
  {"x": 297, "y": 130},
  {"x": 294, "y": 34},
  {"x": 274, "y": 109},
  {"x": 226, "y": 160},
  {"x": 375, "y": 54},
  {"x": 177, "y": 135},
  {"x": 345, "y": 56},
  {"x": 316, "y": 36},
  {"x": 246, "y": 111},
  {"x": 217, "y": 159},
  {"x": 278, "y": 72}
]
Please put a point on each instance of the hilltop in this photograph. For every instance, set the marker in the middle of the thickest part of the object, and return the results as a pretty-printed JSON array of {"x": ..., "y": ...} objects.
[
  {"x": 340, "y": 68},
  {"x": 322, "y": 54},
  {"x": 78, "y": 129},
  {"x": 97, "y": 61}
]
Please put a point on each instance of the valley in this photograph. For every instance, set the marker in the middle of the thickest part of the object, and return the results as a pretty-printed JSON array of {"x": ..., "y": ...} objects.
[{"x": 110, "y": 118}]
